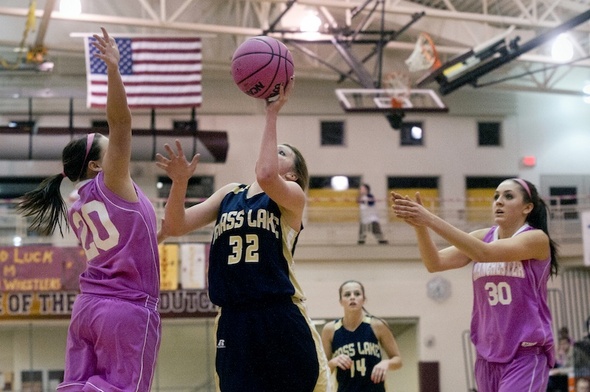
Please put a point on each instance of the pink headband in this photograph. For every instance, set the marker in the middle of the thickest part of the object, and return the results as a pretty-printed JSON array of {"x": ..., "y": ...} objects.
[
  {"x": 524, "y": 185},
  {"x": 89, "y": 141}
]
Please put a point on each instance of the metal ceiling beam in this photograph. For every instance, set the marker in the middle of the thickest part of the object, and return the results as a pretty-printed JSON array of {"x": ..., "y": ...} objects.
[
  {"x": 356, "y": 66},
  {"x": 40, "y": 39},
  {"x": 435, "y": 13},
  {"x": 140, "y": 22},
  {"x": 163, "y": 18},
  {"x": 337, "y": 4}
]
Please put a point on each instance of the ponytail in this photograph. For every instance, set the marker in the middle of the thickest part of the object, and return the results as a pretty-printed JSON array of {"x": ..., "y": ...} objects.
[
  {"x": 45, "y": 206},
  {"x": 539, "y": 217}
]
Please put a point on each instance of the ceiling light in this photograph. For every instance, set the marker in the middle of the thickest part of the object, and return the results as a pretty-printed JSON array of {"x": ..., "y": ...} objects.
[
  {"x": 562, "y": 49},
  {"x": 310, "y": 23},
  {"x": 300, "y": 18},
  {"x": 586, "y": 89},
  {"x": 339, "y": 183}
]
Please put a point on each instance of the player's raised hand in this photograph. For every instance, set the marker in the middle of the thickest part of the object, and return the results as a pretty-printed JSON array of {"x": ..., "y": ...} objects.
[
  {"x": 108, "y": 51},
  {"x": 176, "y": 165},
  {"x": 275, "y": 104}
]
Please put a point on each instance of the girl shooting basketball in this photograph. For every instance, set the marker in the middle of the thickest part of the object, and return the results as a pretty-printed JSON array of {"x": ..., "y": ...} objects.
[
  {"x": 265, "y": 340},
  {"x": 512, "y": 262}
]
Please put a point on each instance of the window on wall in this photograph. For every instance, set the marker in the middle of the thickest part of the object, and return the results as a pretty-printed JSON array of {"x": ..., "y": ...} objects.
[
  {"x": 100, "y": 124},
  {"x": 327, "y": 201},
  {"x": 479, "y": 194},
  {"x": 11, "y": 189},
  {"x": 568, "y": 199},
  {"x": 15, "y": 187},
  {"x": 182, "y": 125},
  {"x": 24, "y": 125},
  {"x": 32, "y": 380},
  {"x": 199, "y": 187},
  {"x": 332, "y": 133},
  {"x": 427, "y": 186},
  {"x": 411, "y": 134},
  {"x": 489, "y": 134}
]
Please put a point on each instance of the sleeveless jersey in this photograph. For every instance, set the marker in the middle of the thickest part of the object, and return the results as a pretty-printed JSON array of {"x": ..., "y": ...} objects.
[
  {"x": 362, "y": 346},
  {"x": 120, "y": 240},
  {"x": 510, "y": 307},
  {"x": 251, "y": 254}
]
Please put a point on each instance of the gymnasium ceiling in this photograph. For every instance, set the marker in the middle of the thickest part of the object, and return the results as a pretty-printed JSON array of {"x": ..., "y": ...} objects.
[{"x": 455, "y": 26}]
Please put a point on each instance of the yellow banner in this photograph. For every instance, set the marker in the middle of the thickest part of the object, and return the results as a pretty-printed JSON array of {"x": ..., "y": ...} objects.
[{"x": 168, "y": 266}]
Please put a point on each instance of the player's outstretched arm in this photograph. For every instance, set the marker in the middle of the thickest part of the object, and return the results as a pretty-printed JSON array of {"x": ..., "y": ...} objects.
[{"x": 178, "y": 220}]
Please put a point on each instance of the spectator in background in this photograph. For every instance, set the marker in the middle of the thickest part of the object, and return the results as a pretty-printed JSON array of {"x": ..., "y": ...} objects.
[
  {"x": 583, "y": 384},
  {"x": 369, "y": 216},
  {"x": 558, "y": 376},
  {"x": 564, "y": 358},
  {"x": 582, "y": 354}
]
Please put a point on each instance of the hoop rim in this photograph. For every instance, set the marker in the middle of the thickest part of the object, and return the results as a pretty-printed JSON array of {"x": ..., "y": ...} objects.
[{"x": 424, "y": 49}]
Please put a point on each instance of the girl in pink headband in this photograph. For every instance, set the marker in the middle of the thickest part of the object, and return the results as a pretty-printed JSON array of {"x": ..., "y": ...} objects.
[
  {"x": 114, "y": 333},
  {"x": 511, "y": 264}
]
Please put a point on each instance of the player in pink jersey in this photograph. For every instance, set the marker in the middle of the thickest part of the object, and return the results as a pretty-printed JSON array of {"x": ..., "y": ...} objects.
[
  {"x": 114, "y": 332},
  {"x": 512, "y": 262}
]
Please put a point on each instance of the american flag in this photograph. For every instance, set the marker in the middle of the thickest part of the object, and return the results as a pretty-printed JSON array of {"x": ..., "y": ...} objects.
[{"x": 157, "y": 72}]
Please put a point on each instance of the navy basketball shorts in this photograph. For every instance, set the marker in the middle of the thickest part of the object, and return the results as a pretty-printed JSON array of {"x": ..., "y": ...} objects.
[{"x": 269, "y": 348}]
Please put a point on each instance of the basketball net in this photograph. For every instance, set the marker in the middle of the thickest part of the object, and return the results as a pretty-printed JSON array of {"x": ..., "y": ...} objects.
[
  {"x": 397, "y": 86},
  {"x": 424, "y": 55}
]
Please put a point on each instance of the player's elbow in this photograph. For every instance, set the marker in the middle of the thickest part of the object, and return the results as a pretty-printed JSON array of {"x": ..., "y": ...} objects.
[
  {"x": 265, "y": 177},
  {"x": 433, "y": 267}
]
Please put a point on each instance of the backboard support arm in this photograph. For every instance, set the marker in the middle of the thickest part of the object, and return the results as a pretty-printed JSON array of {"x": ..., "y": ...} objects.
[{"x": 508, "y": 54}]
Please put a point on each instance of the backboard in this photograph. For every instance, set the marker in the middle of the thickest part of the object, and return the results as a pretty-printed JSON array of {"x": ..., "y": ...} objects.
[
  {"x": 363, "y": 100},
  {"x": 467, "y": 61}
]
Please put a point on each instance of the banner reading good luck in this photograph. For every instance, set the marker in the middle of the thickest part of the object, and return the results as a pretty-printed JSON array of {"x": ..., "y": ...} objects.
[{"x": 40, "y": 268}]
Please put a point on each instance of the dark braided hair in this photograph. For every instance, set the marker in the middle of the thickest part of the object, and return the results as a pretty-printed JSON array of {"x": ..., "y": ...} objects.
[
  {"x": 539, "y": 217},
  {"x": 45, "y": 205}
]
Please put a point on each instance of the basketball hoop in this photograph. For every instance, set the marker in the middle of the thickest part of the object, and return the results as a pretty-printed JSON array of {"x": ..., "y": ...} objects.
[
  {"x": 424, "y": 55},
  {"x": 398, "y": 86}
]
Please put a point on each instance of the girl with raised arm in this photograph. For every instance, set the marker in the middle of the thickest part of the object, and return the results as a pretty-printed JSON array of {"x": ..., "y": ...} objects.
[{"x": 511, "y": 265}]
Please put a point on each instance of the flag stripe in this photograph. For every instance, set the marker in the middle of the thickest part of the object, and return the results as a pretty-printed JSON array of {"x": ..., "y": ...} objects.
[
  {"x": 165, "y": 68},
  {"x": 147, "y": 78},
  {"x": 156, "y": 72},
  {"x": 166, "y": 56},
  {"x": 146, "y": 93}
]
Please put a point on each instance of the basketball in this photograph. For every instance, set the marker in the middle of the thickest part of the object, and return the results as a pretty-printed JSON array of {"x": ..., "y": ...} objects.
[{"x": 260, "y": 65}]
